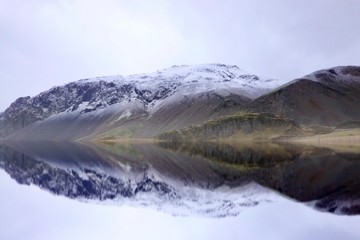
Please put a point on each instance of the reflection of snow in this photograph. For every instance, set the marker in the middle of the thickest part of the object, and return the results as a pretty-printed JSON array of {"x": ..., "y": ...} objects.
[
  {"x": 190, "y": 201},
  {"x": 30, "y": 213}
]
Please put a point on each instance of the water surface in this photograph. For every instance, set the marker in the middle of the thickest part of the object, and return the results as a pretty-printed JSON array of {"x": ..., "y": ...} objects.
[{"x": 201, "y": 179}]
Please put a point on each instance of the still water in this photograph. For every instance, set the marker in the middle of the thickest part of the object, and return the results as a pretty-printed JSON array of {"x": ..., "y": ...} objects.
[{"x": 178, "y": 191}]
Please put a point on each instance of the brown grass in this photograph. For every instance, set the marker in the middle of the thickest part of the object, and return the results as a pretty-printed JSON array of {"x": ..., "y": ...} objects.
[{"x": 347, "y": 139}]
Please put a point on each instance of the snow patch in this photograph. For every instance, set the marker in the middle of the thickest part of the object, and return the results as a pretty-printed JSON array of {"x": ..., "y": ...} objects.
[{"x": 126, "y": 114}]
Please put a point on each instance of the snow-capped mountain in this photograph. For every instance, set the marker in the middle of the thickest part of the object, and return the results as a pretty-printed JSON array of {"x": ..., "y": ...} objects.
[
  {"x": 144, "y": 94},
  {"x": 145, "y": 105}
]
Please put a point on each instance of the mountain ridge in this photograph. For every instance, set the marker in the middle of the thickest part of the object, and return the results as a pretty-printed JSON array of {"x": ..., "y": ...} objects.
[
  {"x": 326, "y": 97},
  {"x": 145, "y": 105},
  {"x": 144, "y": 93}
]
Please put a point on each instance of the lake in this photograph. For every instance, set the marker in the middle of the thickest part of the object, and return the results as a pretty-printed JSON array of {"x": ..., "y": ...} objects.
[{"x": 180, "y": 190}]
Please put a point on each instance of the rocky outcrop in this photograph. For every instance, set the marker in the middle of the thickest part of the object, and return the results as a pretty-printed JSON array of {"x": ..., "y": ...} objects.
[
  {"x": 228, "y": 126},
  {"x": 79, "y": 97}
]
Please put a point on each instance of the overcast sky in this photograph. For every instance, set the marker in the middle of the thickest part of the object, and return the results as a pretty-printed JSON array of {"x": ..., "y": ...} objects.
[{"x": 45, "y": 43}]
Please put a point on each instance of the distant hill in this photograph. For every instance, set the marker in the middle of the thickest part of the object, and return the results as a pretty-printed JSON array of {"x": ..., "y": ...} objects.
[{"x": 326, "y": 97}]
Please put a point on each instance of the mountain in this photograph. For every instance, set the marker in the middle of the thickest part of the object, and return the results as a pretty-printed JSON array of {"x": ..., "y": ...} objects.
[
  {"x": 135, "y": 106},
  {"x": 146, "y": 105},
  {"x": 325, "y": 97}
]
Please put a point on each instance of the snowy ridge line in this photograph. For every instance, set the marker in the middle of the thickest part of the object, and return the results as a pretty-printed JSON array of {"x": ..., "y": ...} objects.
[
  {"x": 340, "y": 73},
  {"x": 202, "y": 77},
  {"x": 146, "y": 91}
]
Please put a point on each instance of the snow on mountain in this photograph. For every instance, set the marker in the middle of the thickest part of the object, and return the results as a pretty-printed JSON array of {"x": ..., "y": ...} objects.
[
  {"x": 341, "y": 73},
  {"x": 196, "y": 78},
  {"x": 336, "y": 77},
  {"x": 142, "y": 92},
  {"x": 154, "y": 88}
]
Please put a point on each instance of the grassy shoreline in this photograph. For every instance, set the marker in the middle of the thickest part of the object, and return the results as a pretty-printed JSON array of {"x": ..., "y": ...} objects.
[
  {"x": 339, "y": 139},
  {"x": 346, "y": 139}
]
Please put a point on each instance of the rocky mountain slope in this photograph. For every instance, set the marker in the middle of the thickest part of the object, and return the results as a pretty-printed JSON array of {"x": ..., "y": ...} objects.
[
  {"x": 146, "y": 105},
  {"x": 167, "y": 99},
  {"x": 327, "y": 97}
]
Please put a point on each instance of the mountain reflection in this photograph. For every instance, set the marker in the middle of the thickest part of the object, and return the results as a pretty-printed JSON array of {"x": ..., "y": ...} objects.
[{"x": 214, "y": 179}]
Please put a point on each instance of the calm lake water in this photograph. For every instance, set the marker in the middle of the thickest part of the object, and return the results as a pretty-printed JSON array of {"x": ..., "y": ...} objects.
[{"x": 178, "y": 191}]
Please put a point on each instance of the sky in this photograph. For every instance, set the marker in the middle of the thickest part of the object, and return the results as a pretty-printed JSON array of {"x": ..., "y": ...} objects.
[{"x": 45, "y": 43}]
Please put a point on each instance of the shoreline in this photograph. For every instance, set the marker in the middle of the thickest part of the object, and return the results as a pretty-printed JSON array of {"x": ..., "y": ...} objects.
[{"x": 339, "y": 139}]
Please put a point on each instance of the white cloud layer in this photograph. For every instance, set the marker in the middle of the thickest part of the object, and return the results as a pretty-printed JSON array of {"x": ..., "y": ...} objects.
[{"x": 47, "y": 43}]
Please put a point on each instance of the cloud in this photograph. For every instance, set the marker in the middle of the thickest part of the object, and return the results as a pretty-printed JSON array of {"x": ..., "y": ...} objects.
[{"x": 46, "y": 43}]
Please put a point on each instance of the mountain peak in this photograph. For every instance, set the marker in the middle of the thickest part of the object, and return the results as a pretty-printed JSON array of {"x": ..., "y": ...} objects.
[
  {"x": 210, "y": 70},
  {"x": 205, "y": 66},
  {"x": 198, "y": 68}
]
